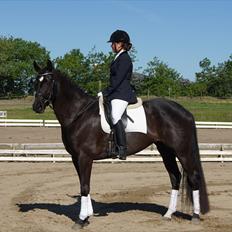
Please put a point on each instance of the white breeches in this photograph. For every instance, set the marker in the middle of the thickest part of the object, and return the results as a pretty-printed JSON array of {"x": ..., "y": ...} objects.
[{"x": 118, "y": 108}]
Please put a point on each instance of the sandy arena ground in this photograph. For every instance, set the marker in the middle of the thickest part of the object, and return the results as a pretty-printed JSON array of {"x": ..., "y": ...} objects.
[
  {"x": 43, "y": 197},
  {"x": 53, "y": 135}
]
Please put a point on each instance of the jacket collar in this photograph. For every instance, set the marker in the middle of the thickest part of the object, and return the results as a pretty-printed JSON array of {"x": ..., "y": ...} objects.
[{"x": 118, "y": 54}]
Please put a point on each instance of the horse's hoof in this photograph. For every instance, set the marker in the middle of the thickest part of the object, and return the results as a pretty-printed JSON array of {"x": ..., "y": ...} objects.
[
  {"x": 165, "y": 218},
  {"x": 196, "y": 218},
  {"x": 80, "y": 224},
  {"x": 168, "y": 215}
]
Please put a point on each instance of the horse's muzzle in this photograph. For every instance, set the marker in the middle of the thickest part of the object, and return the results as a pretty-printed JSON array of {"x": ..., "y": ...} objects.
[{"x": 38, "y": 106}]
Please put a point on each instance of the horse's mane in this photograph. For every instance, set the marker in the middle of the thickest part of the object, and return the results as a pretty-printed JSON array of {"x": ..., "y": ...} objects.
[{"x": 68, "y": 83}]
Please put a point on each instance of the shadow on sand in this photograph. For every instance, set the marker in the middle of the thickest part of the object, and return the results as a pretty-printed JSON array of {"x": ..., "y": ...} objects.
[{"x": 100, "y": 209}]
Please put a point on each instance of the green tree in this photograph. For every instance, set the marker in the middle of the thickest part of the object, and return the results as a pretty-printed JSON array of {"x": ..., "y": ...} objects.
[
  {"x": 74, "y": 64},
  {"x": 16, "y": 64},
  {"x": 216, "y": 80},
  {"x": 91, "y": 72},
  {"x": 222, "y": 85},
  {"x": 161, "y": 80},
  {"x": 99, "y": 64}
]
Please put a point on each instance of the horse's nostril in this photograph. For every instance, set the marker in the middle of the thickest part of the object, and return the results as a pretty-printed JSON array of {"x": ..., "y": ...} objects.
[{"x": 38, "y": 107}]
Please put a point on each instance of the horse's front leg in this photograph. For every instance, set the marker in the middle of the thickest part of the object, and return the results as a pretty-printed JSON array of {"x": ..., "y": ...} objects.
[{"x": 83, "y": 165}]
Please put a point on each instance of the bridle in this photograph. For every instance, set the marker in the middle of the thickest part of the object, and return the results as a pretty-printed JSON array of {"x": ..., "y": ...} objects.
[
  {"x": 50, "y": 98},
  {"x": 47, "y": 100}
]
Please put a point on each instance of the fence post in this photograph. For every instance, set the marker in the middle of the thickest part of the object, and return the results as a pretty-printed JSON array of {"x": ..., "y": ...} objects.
[
  {"x": 222, "y": 149},
  {"x": 3, "y": 114}
]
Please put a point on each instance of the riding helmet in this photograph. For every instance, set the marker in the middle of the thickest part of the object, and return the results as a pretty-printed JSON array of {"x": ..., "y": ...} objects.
[{"x": 119, "y": 36}]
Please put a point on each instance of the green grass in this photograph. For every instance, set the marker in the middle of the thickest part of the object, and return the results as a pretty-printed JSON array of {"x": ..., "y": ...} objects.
[
  {"x": 203, "y": 109},
  {"x": 208, "y": 108},
  {"x": 28, "y": 113},
  {"x": 208, "y": 111},
  {"x": 22, "y": 109}
]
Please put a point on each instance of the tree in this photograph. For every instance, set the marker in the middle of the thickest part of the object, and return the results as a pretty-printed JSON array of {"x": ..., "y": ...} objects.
[
  {"x": 222, "y": 85},
  {"x": 74, "y": 65},
  {"x": 16, "y": 64},
  {"x": 161, "y": 80},
  {"x": 217, "y": 80},
  {"x": 91, "y": 72},
  {"x": 99, "y": 64}
]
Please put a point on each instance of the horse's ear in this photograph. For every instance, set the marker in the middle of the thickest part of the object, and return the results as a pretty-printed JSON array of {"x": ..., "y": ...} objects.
[
  {"x": 50, "y": 65},
  {"x": 36, "y": 66}
]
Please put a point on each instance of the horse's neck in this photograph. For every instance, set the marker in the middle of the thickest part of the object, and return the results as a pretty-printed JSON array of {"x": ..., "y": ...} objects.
[{"x": 68, "y": 103}]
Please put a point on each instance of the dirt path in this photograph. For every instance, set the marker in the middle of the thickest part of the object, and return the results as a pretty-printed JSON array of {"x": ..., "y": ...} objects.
[
  {"x": 40, "y": 197},
  {"x": 53, "y": 135}
]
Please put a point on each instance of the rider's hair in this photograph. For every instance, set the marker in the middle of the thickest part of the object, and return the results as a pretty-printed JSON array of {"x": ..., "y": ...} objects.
[{"x": 126, "y": 46}]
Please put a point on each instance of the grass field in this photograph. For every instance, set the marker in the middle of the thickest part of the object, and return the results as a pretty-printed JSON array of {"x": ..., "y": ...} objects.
[
  {"x": 203, "y": 109},
  {"x": 208, "y": 109},
  {"x": 22, "y": 109}
]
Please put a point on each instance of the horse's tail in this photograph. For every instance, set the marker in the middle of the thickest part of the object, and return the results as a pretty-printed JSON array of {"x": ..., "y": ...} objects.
[{"x": 204, "y": 201}]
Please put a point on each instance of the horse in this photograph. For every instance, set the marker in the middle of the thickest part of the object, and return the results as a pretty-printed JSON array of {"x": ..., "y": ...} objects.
[{"x": 169, "y": 126}]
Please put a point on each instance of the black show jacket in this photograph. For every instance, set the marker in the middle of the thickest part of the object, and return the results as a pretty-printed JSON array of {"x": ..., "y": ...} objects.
[{"x": 120, "y": 77}]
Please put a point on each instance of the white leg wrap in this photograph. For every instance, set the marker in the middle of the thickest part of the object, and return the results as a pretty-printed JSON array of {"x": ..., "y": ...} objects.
[
  {"x": 172, "y": 204},
  {"x": 90, "y": 207},
  {"x": 84, "y": 208},
  {"x": 196, "y": 202}
]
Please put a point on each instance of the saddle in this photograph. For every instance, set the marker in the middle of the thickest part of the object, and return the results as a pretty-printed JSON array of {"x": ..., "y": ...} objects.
[
  {"x": 134, "y": 119},
  {"x": 125, "y": 116}
]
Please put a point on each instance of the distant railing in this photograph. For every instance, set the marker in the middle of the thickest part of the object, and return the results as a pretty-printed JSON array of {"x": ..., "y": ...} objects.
[
  {"x": 54, "y": 123},
  {"x": 46, "y": 152},
  {"x": 21, "y": 122},
  {"x": 214, "y": 125}
]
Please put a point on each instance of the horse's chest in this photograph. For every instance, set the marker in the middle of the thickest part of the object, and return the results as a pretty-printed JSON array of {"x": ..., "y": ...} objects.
[{"x": 70, "y": 141}]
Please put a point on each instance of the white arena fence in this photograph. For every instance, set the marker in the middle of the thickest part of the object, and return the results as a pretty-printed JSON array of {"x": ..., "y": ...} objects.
[
  {"x": 54, "y": 123},
  {"x": 55, "y": 152}
]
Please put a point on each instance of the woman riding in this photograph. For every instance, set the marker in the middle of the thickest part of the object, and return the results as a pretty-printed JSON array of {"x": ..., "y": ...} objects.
[{"x": 120, "y": 93}]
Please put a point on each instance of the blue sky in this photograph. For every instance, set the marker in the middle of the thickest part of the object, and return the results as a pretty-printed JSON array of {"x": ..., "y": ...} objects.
[{"x": 178, "y": 32}]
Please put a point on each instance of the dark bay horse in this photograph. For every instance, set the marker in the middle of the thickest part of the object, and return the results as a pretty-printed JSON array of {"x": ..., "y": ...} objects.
[{"x": 170, "y": 127}]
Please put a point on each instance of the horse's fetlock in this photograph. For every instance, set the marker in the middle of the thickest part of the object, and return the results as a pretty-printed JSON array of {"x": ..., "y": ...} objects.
[{"x": 85, "y": 190}]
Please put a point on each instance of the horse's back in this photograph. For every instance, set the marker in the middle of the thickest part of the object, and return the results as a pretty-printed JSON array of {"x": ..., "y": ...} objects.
[
  {"x": 168, "y": 121},
  {"x": 166, "y": 108}
]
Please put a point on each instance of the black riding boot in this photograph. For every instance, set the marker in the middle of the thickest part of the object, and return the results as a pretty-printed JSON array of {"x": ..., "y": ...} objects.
[{"x": 120, "y": 134}]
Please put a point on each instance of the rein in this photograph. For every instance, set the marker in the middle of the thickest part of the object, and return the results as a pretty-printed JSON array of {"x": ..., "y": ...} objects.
[{"x": 84, "y": 109}]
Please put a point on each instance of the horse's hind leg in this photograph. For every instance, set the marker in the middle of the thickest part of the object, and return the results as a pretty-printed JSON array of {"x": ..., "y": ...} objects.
[
  {"x": 196, "y": 187},
  {"x": 170, "y": 163},
  {"x": 192, "y": 185}
]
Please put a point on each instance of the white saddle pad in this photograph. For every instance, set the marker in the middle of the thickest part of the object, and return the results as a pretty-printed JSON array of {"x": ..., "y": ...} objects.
[{"x": 137, "y": 114}]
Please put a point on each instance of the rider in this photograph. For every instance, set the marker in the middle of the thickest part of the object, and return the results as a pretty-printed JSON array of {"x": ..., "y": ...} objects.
[{"x": 120, "y": 93}]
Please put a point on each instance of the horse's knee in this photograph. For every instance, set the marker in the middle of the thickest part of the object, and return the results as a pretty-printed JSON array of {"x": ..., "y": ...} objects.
[{"x": 85, "y": 190}]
